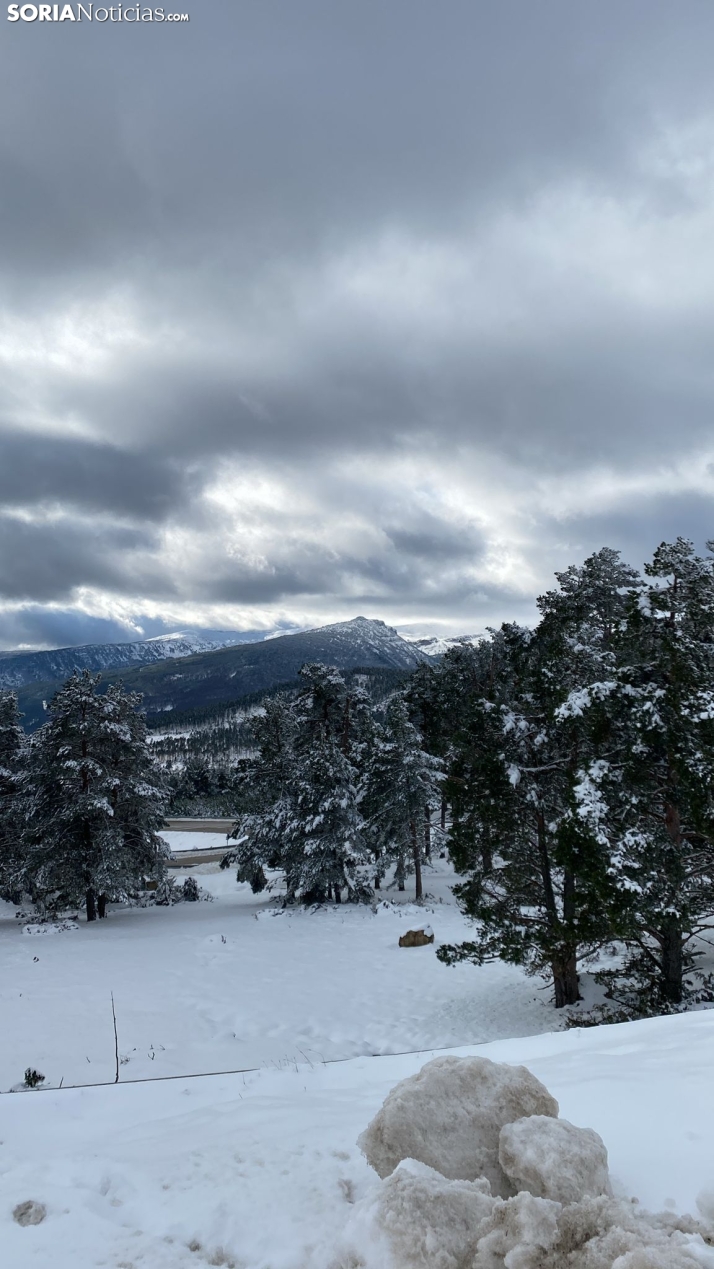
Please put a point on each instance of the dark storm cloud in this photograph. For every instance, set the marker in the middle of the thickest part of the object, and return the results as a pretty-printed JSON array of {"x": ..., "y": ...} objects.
[
  {"x": 639, "y": 526},
  {"x": 288, "y": 121},
  {"x": 36, "y": 468},
  {"x": 434, "y": 540},
  {"x": 463, "y": 247},
  {"x": 47, "y": 560},
  {"x": 34, "y": 625}
]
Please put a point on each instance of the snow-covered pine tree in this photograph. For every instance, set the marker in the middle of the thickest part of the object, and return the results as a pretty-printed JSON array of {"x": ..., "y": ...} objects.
[
  {"x": 326, "y": 705},
  {"x": 12, "y": 756},
  {"x": 324, "y": 851},
  {"x": 524, "y": 753},
  {"x": 298, "y": 792},
  {"x": 95, "y": 799},
  {"x": 653, "y": 795},
  {"x": 400, "y": 791},
  {"x": 264, "y": 789}
]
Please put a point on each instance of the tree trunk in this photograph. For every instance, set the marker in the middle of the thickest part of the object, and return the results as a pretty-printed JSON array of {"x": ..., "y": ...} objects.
[
  {"x": 427, "y": 833},
  {"x": 443, "y": 814},
  {"x": 565, "y": 978},
  {"x": 91, "y": 906},
  {"x": 486, "y": 852},
  {"x": 400, "y": 871},
  {"x": 338, "y": 895},
  {"x": 377, "y": 884},
  {"x": 102, "y": 906},
  {"x": 417, "y": 860},
  {"x": 672, "y": 962}
]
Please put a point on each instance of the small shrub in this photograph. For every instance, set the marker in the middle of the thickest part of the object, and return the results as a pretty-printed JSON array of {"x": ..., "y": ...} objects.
[
  {"x": 190, "y": 890},
  {"x": 33, "y": 1078}
]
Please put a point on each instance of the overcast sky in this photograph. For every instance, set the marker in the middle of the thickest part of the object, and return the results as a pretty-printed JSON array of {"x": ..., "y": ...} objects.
[{"x": 311, "y": 309}]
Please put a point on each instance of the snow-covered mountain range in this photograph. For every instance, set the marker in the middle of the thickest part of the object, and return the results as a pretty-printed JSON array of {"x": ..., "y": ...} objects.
[
  {"x": 17, "y": 669},
  {"x": 172, "y": 674}
]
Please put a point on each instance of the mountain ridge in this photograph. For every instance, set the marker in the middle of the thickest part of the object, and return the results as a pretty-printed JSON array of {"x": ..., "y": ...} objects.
[
  {"x": 228, "y": 674},
  {"x": 18, "y": 668}
]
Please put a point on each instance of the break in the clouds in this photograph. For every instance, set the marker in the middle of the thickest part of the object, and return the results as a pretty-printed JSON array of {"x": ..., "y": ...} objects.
[{"x": 310, "y": 309}]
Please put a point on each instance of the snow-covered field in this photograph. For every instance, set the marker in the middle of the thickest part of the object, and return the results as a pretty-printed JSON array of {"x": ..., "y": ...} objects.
[
  {"x": 260, "y": 1171},
  {"x": 238, "y": 983}
]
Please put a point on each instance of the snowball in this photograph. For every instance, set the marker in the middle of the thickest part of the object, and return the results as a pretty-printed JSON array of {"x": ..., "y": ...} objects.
[
  {"x": 553, "y": 1159},
  {"x": 417, "y": 1219},
  {"x": 449, "y": 1116}
]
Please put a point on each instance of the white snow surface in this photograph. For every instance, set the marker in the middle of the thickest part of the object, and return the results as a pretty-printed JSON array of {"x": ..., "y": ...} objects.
[
  {"x": 261, "y": 1170},
  {"x": 207, "y": 987}
]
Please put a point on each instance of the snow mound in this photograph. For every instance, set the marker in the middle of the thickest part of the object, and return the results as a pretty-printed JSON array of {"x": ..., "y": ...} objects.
[
  {"x": 450, "y": 1115},
  {"x": 563, "y": 1216},
  {"x": 49, "y": 927},
  {"x": 387, "y": 908},
  {"x": 553, "y": 1159}
]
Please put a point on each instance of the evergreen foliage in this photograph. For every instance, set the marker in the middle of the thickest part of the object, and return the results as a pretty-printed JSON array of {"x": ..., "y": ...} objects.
[
  {"x": 300, "y": 791},
  {"x": 401, "y": 783},
  {"x": 95, "y": 802},
  {"x": 651, "y": 795},
  {"x": 12, "y": 755},
  {"x": 580, "y": 772}
]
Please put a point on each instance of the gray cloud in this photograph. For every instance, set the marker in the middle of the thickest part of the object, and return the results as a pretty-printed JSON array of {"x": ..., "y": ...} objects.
[
  {"x": 48, "y": 560},
  {"x": 307, "y": 308},
  {"x": 68, "y": 471}
]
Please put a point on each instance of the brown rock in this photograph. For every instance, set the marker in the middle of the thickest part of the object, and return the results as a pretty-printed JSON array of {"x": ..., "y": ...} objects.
[{"x": 417, "y": 938}]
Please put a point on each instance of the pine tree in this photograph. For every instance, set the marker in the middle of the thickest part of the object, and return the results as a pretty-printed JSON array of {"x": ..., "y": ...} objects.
[
  {"x": 12, "y": 757},
  {"x": 299, "y": 791},
  {"x": 264, "y": 783},
  {"x": 95, "y": 802},
  {"x": 525, "y": 749},
  {"x": 654, "y": 798},
  {"x": 400, "y": 792},
  {"x": 324, "y": 850}
]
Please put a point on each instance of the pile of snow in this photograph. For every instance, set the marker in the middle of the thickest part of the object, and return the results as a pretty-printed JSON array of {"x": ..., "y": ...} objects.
[{"x": 479, "y": 1173}]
